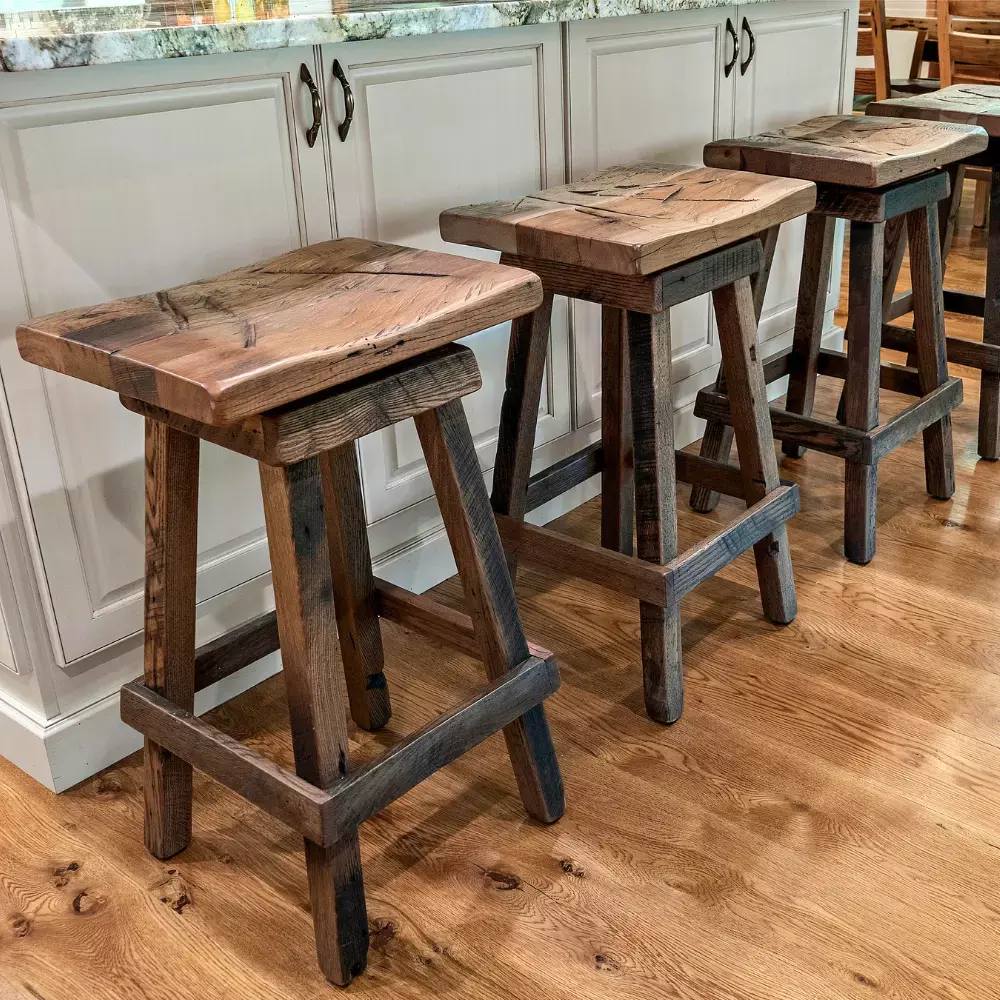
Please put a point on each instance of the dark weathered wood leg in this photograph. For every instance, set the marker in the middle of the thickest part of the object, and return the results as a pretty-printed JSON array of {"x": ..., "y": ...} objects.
[
  {"x": 737, "y": 327},
  {"x": 989, "y": 393},
  {"x": 814, "y": 284},
  {"x": 931, "y": 351},
  {"x": 489, "y": 593},
  {"x": 526, "y": 355},
  {"x": 171, "y": 572},
  {"x": 617, "y": 477},
  {"x": 864, "y": 339},
  {"x": 354, "y": 588},
  {"x": 656, "y": 507},
  {"x": 303, "y": 594}
]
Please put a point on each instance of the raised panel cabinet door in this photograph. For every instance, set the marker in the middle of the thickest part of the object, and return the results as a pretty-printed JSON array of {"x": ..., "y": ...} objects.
[
  {"x": 652, "y": 86},
  {"x": 802, "y": 67},
  {"x": 160, "y": 177},
  {"x": 439, "y": 122}
]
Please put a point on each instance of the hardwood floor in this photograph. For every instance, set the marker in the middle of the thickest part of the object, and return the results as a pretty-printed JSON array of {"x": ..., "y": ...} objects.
[{"x": 824, "y": 821}]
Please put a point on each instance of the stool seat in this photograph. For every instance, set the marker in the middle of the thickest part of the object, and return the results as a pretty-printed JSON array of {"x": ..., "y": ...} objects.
[
  {"x": 963, "y": 104},
  {"x": 245, "y": 342},
  {"x": 635, "y": 219},
  {"x": 849, "y": 150}
]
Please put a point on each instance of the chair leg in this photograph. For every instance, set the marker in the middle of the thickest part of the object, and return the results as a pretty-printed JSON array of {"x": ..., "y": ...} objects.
[
  {"x": 354, "y": 588},
  {"x": 617, "y": 476},
  {"x": 754, "y": 440},
  {"x": 461, "y": 493},
  {"x": 814, "y": 283},
  {"x": 989, "y": 398},
  {"x": 526, "y": 355},
  {"x": 300, "y": 566},
  {"x": 656, "y": 507},
  {"x": 171, "y": 571},
  {"x": 864, "y": 339},
  {"x": 980, "y": 210},
  {"x": 931, "y": 350}
]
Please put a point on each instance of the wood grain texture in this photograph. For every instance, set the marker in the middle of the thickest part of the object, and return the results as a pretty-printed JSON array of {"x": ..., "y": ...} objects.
[
  {"x": 617, "y": 473},
  {"x": 968, "y": 42},
  {"x": 635, "y": 219},
  {"x": 963, "y": 104},
  {"x": 239, "y": 344},
  {"x": 850, "y": 150},
  {"x": 171, "y": 568}
]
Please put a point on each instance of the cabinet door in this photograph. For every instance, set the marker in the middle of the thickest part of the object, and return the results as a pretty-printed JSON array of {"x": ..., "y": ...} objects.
[
  {"x": 803, "y": 67},
  {"x": 150, "y": 177},
  {"x": 646, "y": 87},
  {"x": 439, "y": 122}
]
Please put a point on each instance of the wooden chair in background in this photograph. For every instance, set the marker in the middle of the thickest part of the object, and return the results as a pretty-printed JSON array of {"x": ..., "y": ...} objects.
[{"x": 871, "y": 83}]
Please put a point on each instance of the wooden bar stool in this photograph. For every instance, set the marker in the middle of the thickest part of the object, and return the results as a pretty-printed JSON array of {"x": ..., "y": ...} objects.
[
  {"x": 290, "y": 362},
  {"x": 869, "y": 171},
  {"x": 969, "y": 104},
  {"x": 639, "y": 239}
]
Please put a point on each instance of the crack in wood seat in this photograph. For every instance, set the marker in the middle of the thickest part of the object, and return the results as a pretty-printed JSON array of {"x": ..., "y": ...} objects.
[
  {"x": 631, "y": 220},
  {"x": 961, "y": 104},
  {"x": 242, "y": 343},
  {"x": 849, "y": 150}
]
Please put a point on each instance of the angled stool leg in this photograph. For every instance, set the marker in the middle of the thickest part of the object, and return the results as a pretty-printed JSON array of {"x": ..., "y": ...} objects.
[
  {"x": 656, "y": 507},
  {"x": 754, "y": 440},
  {"x": 458, "y": 483},
  {"x": 931, "y": 350},
  {"x": 814, "y": 283},
  {"x": 864, "y": 339},
  {"x": 529, "y": 344},
  {"x": 354, "y": 588},
  {"x": 300, "y": 566},
  {"x": 989, "y": 395},
  {"x": 171, "y": 571},
  {"x": 617, "y": 476}
]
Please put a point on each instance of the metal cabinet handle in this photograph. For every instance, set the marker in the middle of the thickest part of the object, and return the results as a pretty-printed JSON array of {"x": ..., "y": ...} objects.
[
  {"x": 736, "y": 47},
  {"x": 313, "y": 131},
  {"x": 345, "y": 126},
  {"x": 753, "y": 47}
]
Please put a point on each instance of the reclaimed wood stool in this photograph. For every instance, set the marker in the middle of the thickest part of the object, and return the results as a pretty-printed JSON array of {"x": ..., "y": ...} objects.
[
  {"x": 639, "y": 239},
  {"x": 290, "y": 362},
  {"x": 868, "y": 171},
  {"x": 968, "y": 104}
]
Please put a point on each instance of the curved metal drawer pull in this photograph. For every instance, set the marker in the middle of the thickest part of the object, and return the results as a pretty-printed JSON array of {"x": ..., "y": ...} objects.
[
  {"x": 345, "y": 126},
  {"x": 306, "y": 77},
  {"x": 745, "y": 65},
  {"x": 731, "y": 31}
]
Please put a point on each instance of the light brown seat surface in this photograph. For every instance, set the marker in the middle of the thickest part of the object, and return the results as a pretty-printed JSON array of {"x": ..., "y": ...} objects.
[
  {"x": 850, "y": 150},
  {"x": 635, "y": 219},
  {"x": 245, "y": 342},
  {"x": 964, "y": 104}
]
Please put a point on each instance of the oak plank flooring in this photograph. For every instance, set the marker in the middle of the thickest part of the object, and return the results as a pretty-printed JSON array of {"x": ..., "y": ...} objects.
[{"x": 821, "y": 823}]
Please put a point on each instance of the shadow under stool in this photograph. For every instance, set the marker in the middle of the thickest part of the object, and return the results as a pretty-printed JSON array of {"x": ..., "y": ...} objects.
[
  {"x": 289, "y": 362},
  {"x": 870, "y": 172},
  {"x": 639, "y": 239}
]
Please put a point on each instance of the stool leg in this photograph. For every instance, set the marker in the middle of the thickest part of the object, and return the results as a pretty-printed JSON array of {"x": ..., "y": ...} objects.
[
  {"x": 717, "y": 441},
  {"x": 300, "y": 567},
  {"x": 617, "y": 477},
  {"x": 171, "y": 573},
  {"x": 656, "y": 507},
  {"x": 754, "y": 441},
  {"x": 931, "y": 350},
  {"x": 354, "y": 588},
  {"x": 461, "y": 493},
  {"x": 989, "y": 397},
  {"x": 864, "y": 339},
  {"x": 810, "y": 312},
  {"x": 526, "y": 355}
]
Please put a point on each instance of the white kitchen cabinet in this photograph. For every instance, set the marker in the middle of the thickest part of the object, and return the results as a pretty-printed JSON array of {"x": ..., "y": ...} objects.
[{"x": 440, "y": 122}]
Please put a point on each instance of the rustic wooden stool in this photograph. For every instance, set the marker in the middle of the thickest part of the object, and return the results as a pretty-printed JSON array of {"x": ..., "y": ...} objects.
[
  {"x": 969, "y": 104},
  {"x": 640, "y": 239},
  {"x": 289, "y": 362},
  {"x": 868, "y": 171}
]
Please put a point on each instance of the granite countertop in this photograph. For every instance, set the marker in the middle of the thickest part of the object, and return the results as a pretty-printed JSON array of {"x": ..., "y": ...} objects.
[{"x": 61, "y": 35}]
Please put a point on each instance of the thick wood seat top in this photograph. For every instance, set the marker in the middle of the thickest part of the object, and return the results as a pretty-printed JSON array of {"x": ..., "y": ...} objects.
[
  {"x": 850, "y": 150},
  {"x": 964, "y": 104},
  {"x": 635, "y": 219},
  {"x": 248, "y": 341}
]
